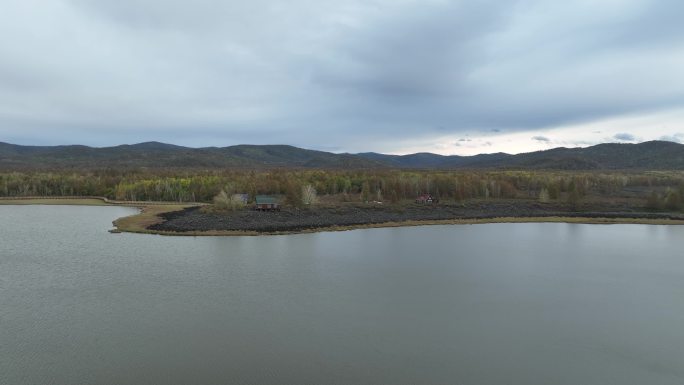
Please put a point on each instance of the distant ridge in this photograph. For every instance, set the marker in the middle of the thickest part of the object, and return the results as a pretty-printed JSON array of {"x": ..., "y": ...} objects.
[
  {"x": 161, "y": 155},
  {"x": 654, "y": 155}
]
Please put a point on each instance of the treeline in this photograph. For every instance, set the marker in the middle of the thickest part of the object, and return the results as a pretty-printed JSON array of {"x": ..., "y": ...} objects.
[
  {"x": 661, "y": 189},
  {"x": 670, "y": 199}
]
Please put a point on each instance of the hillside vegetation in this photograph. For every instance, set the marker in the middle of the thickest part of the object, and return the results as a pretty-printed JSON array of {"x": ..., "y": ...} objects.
[
  {"x": 647, "y": 175},
  {"x": 655, "y": 190},
  {"x": 655, "y": 155}
]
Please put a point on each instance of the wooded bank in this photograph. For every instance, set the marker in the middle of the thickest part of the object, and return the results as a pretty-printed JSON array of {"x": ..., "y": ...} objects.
[{"x": 657, "y": 190}]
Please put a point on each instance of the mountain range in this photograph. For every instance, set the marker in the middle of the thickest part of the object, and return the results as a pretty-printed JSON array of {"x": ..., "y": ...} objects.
[{"x": 654, "y": 155}]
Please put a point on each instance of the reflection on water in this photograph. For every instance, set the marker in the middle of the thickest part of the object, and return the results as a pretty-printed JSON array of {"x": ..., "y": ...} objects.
[{"x": 481, "y": 304}]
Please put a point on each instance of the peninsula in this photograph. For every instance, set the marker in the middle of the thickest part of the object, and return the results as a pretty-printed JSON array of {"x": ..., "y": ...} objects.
[{"x": 282, "y": 189}]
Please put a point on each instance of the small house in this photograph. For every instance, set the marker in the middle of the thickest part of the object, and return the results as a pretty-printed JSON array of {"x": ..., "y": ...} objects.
[
  {"x": 266, "y": 203},
  {"x": 426, "y": 198}
]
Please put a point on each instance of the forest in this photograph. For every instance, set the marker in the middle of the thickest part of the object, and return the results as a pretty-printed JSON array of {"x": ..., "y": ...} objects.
[{"x": 653, "y": 190}]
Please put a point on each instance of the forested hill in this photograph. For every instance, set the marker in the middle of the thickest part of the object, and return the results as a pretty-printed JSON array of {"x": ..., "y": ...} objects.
[
  {"x": 161, "y": 155},
  {"x": 655, "y": 155}
]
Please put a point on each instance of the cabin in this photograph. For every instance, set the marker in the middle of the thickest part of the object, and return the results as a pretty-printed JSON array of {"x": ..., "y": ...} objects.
[
  {"x": 266, "y": 203},
  {"x": 426, "y": 198}
]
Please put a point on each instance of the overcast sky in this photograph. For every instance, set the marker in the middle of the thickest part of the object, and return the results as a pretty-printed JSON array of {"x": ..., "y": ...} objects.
[{"x": 394, "y": 76}]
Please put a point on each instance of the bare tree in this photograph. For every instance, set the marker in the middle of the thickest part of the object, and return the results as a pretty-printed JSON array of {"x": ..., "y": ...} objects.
[
  {"x": 222, "y": 201},
  {"x": 309, "y": 195},
  {"x": 544, "y": 196}
]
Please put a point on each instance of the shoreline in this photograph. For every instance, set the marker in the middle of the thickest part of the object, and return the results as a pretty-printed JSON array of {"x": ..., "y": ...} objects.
[
  {"x": 56, "y": 201},
  {"x": 153, "y": 214},
  {"x": 147, "y": 215},
  {"x": 415, "y": 223}
]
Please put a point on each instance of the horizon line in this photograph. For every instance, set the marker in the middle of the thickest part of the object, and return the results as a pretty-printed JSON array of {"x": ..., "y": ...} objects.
[{"x": 332, "y": 152}]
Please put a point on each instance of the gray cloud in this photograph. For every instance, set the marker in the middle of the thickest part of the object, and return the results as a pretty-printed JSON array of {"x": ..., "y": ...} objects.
[
  {"x": 678, "y": 137},
  {"x": 309, "y": 73},
  {"x": 540, "y": 138},
  {"x": 624, "y": 137}
]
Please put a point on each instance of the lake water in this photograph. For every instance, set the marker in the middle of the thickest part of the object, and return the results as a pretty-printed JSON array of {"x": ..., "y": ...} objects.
[{"x": 481, "y": 304}]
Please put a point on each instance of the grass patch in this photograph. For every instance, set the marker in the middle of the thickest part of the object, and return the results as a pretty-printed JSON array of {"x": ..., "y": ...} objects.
[{"x": 149, "y": 215}]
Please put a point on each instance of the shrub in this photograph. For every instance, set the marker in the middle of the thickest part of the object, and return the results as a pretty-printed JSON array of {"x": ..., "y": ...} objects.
[
  {"x": 544, "y": 196},
  {"x": 309, "y": 195},
  {"x": 225, "y": 202}
]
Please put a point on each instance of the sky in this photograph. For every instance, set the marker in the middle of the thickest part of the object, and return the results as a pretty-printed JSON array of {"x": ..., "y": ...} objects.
[{"x": 392, "y": 76}]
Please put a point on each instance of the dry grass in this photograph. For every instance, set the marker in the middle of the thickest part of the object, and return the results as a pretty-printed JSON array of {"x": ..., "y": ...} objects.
[{"x": 148, "y": 216}]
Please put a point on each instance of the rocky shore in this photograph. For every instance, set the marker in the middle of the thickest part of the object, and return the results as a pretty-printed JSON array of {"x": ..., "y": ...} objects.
[{"x": 196, "y": 219}]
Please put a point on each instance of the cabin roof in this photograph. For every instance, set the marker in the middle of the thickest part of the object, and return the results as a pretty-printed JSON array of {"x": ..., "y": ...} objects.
[{"x": 265, "y": 200}]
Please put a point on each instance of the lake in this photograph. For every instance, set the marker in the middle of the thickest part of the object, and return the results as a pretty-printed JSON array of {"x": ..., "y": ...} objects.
[{"x": 468, "y": 304}]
